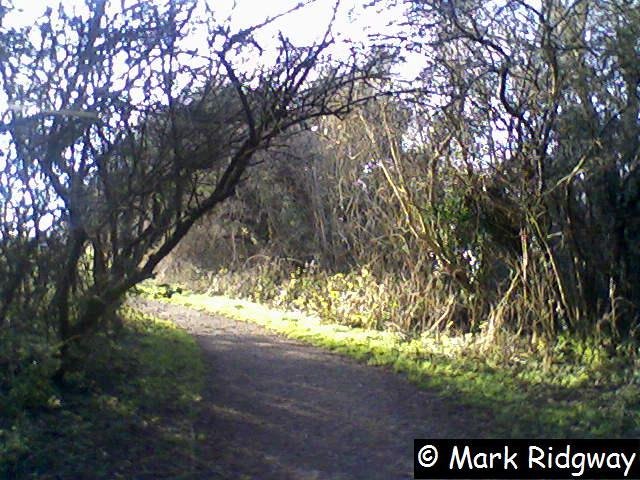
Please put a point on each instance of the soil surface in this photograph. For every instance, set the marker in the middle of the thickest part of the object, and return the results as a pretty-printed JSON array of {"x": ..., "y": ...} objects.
[{"x": 278, "y": 409}]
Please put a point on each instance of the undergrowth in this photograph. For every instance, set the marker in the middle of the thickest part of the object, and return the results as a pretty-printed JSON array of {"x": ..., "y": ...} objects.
[
  {"x": 127, "y": 412},
  {"x": 357, "y": 298},
  {"x": 569, "y": 389}
]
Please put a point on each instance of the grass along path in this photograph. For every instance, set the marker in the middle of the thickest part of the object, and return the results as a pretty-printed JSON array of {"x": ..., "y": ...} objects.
[
  {"x": 589, "y": 398},
  {"x": 128, "y": 413},
  {"x": 276, "y": 408}
]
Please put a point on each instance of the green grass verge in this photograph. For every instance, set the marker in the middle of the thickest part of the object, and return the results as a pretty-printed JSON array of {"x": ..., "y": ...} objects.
[
  {"x": 585, "y": 395},
  {"x": 129, "y": 411}
]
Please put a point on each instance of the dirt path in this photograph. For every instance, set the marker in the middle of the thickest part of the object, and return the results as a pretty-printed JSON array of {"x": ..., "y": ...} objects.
[{"x": 277, "y": 409}]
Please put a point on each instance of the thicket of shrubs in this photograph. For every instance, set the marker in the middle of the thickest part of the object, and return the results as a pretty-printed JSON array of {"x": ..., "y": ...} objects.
[
  {"x": 116, "y": 134},
  {"x": 502, "y": 198},
  {"x": 498, "y": 194}
]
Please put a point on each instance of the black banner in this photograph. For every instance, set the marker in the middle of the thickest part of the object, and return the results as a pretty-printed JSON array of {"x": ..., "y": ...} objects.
[{"x": 542, "y": 459}]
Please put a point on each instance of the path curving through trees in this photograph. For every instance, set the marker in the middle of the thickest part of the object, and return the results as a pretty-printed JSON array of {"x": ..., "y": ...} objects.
[{"x": 280, "y": 409}]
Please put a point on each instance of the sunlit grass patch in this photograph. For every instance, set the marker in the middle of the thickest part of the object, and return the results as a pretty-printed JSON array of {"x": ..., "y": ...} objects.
[
  {"x": 129, "y": 413},
  {"x": 525, "y": 395}
]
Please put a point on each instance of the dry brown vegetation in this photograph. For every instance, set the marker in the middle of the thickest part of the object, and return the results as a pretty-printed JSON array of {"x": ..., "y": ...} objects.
[
  {"x": 498, "y": 194},
  {"x": 501, "y": 197}
]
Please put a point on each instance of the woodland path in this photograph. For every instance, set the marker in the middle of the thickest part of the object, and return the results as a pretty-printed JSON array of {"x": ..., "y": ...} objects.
[{"x": 278, "y": 409}]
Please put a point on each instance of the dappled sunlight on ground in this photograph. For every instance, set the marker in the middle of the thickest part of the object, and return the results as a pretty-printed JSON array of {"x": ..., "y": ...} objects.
[{"x": 278, "y": 409}]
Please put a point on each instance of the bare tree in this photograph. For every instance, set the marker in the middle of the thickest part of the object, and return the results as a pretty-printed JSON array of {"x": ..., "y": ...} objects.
[
  {"x": 119, "y": 138},
  {"x": 534, "y": 107}
]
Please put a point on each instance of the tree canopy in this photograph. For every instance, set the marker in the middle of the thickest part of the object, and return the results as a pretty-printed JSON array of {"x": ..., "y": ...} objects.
[{"x": 120, "y": 135}]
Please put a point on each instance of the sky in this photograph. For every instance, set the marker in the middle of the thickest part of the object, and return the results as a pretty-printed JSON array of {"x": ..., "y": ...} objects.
[
  {"x": 353, "y": 21},
  {"x": 353, "y": 24}
]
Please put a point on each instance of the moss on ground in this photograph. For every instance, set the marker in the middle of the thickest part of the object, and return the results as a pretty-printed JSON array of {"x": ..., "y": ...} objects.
[
  {"x": 129, "y": 412},
  {"x": 583, "y": 393}
]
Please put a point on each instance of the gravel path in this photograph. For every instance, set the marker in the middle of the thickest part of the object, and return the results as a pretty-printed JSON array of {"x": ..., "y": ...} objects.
[{"x": 277, "y": 409}]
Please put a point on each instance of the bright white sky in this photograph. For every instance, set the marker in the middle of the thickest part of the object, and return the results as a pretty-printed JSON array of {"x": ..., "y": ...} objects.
[
  {"x": 353, "y": 21},
  {"x": 353, "y": 24}
]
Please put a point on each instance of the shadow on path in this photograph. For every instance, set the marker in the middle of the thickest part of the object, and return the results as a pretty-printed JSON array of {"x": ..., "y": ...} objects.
[{"x": 279, "y": 409}]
